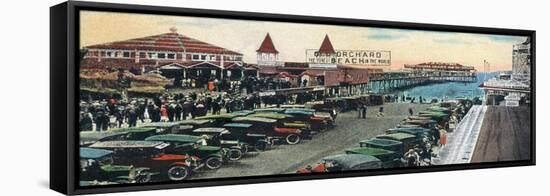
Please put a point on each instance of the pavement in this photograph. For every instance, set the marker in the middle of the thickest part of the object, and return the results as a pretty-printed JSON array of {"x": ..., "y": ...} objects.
[
  {"x": 462, "y": 141},
  {"x": 349, "y": 130}
]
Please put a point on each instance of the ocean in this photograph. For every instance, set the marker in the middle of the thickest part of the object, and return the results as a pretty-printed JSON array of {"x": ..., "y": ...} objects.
[{"x": 449, "y": 90}]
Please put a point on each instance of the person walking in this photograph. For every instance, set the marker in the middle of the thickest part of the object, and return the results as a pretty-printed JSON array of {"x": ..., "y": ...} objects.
[
  {"x": 442, "y": 137},
  {"x": 411, "y": 112},
  {"x": 178, "y": 110},
  {"x": 364, "y": 111},
  {"x": 380, "y": 112}
]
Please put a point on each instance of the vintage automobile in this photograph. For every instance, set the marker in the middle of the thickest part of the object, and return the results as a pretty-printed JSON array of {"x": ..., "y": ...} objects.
[
  {"x": 218, "y": 120},
  {"x": 390, "y": 159},
  {"x": 419, "y": 132},
  {"x": 286, "y": 120},
  {"x": 438, "y": 116},
  {"x": 428, "y": 124},
  {"x": 96, "y": 165},
  {"x": 271, "y": 128},
  {"x": 409, "y": 141},
  {"x": 317, "y": 123},
  {"x": 269, "y": 110},
  {"x": 419, "y": 117},
  {"x": 242, "y": 112},
  {"x": 344, "y": 162},
  {"x": 211, "y": 156},
  {"x": 385, "y": 144},
  {"x": 188, "y": 125},
  {"x": 219, "y": 137},
  {"x": 439, "y": 109},
  {"x": 256, "y": 141},
  {"x": 151, "y": 154},
  {"x": 132, "y": 133},
  {"x": 163, "y": 127}
]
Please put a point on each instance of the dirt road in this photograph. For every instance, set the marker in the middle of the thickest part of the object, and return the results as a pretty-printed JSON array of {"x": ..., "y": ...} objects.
[{"x": 347, "y": 133}]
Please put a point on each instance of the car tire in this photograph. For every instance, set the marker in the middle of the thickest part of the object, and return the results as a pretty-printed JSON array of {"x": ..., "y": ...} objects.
[
  {"x": 178, "y": 172},
  {"x": 213, "y": 162},
  {"x": 260, "y": 146},
  {"x": 293, "y": 139},
  {"x": 144, "y": 178},
  {"x": 235, "y": 154}
]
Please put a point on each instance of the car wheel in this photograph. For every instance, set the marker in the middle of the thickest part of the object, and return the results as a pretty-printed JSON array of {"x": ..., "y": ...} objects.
[
  {"x": 235, "y": 154},
  {"x": 260, "y": 146},
  {"x": 144, "y": 178},
  {"x": 178, "y": 172},
  {"x": 213, "y": 162},
  {"x": 293, "y": 139}
]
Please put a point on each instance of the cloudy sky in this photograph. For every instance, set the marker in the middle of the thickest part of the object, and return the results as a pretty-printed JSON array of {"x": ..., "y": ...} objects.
[{"x": 293, "y": 39}]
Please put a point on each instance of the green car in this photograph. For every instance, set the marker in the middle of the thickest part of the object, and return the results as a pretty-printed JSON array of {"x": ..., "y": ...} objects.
[
  {"x": 409, "y": 141},
  {"x": 186, "y": 126},
  {"x": 428, "y": 124},
  {"x": 96, "y": 167},
  {"x": 269, "y": 110},
  {"x": 218, "y": 120},
  {"x": 385, "y": 144},
  {"x": 211, "y": 156},
  {"x": 133, "y": 133},
  {"x": 419, "y": 132},
  {"x": 390, "y": 159}
]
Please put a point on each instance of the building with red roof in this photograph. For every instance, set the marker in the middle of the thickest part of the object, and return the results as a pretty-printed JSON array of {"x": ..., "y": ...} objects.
[
  {"x": 174, "y": 54},
  {"x": 267, "y": 54}
]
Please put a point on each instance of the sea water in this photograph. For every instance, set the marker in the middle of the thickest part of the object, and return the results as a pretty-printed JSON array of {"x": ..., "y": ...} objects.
[{"x": 448, "y": 90}]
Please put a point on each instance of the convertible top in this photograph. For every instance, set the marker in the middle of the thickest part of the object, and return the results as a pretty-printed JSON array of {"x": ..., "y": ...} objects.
[
  {"x": 161, "y": 124},
  {"x": 174, "y": 138},
  {"x": 238, "y": 125},
  {"x": 396, "y": 136},
  {"x": 276, "y": 116},
  {"x": 129, "y": 144},
  {"x": 355, "y": 161},
  {"x": 193, "y": 122},
  {"x": 255, "y": 119},
  {"x": 381, "y": 142},
  {"x": 369, "y": 151}
]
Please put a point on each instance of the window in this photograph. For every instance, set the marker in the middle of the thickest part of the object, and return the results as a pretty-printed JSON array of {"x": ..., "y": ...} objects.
[
  {"x": 212, "y": 57},
  {"x": 203, "y": 57},
  {"x": 109, "y": 54},
  {"x": 195, "y": 57},
  {"x": 126, "y": 54},
  {"x": 238, "y": 58},
  {"x": 142, "y": 55},
  {"x": 152, "y": 55},
  {"x": 161, "y": 55},
  {"x": 116, "y": 54},
  {"x": 171, "y": 56},
  {"x": 102, "y": 53}
]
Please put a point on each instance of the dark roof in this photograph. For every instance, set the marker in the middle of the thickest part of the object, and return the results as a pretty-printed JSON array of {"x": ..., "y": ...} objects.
[
  {"x": 326, "y": 46},
  {"x": 165, "y": 42},
  {"x": 352, "y": 161},
  {"x": 267, "y": 46}
]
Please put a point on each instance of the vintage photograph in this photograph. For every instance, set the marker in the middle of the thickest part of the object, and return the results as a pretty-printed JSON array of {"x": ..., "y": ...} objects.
[{"x": 176, "y": 98}]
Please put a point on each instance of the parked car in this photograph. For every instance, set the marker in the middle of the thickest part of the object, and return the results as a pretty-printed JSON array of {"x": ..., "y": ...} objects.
[
  {"x": 316, "y": 123},
  {"x": 96, "y": 165},
  {"x": 390, "y": 159},
  {"x": 420, "y": 133},
  {"x": 344, "y": 162},
  {"x": 270, "y": 128},
  {"x": 218, "y": 137},
  {"x": 256, "y": 141},
  {"x": 218, "y": 120},
  {"x": 163, "y": 127},
  {"x": 286, "y": 120},
  {"x": 151, "y": 154},
  {"x": 132, "y": 133},
  {"x": 409, "y": 141},
  {"x": 385, "y": 144},
  {"x": 211, "y": 156},
  {"x": 188, "y": 125}
]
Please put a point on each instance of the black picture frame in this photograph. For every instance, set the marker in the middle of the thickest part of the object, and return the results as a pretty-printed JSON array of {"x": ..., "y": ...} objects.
[{"x": 64, "y": 57}]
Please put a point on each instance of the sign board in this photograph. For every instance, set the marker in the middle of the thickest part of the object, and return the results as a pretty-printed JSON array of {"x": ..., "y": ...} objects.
[{"x": 349, "y": 57}]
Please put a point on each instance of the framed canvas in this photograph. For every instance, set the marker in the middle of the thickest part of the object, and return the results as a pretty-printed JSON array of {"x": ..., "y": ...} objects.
[{"x": 147, "y": 97}]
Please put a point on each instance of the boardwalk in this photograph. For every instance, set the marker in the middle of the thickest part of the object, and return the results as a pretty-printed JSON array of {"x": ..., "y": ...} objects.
[{"x": 505, "y": 135}]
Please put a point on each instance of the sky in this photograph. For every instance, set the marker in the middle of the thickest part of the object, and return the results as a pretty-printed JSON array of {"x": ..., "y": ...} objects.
[{"x": 293, "y": 39}]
